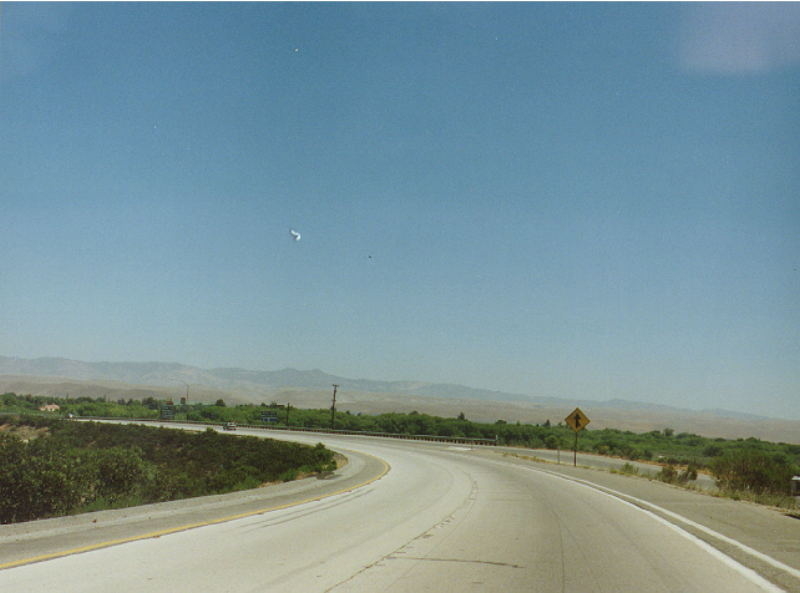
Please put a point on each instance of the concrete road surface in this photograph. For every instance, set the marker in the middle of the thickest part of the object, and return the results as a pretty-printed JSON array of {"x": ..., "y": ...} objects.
[
  {"x": 444, "y": 518},
  {"x": 565, "y": 457}
]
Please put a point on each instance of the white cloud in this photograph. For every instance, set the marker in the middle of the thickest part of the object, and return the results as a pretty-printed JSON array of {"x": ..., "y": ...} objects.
[{"x": 740, "y": 38}]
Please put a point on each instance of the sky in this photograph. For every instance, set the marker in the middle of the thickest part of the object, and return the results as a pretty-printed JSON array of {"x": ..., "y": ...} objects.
[{"x": 588, "y": 201}]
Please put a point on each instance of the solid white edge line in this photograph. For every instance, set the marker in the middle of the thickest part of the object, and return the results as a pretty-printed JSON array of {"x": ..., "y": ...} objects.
[
  {"x": 746, "y": 572},
  {"x": 744, "y": 548}
]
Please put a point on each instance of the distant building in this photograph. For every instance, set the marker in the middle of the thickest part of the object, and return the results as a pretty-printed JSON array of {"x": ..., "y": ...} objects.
[{"x": 50, "y": 408}]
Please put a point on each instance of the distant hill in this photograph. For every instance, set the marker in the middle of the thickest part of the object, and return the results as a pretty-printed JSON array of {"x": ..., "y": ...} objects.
[
  {"x": 312, "y": 389},
  {"x": 165, "y": 374},
  {"x": 162, "y": 373}
]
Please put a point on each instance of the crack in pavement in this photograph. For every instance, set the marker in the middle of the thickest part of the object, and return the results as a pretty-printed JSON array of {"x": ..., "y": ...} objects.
[{"x": 430, "y": 559}]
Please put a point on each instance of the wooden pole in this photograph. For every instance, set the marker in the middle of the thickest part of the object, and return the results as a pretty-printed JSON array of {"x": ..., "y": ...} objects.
[{"x": 333, "y": 406}]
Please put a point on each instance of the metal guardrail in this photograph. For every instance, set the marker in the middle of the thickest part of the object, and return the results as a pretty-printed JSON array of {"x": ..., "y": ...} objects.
[{"x": 388, "y": 435}]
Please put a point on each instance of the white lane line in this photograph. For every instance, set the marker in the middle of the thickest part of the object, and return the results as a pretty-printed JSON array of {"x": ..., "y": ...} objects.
[
  {"x": 744, "y": 548},
  {"x": 748, "y": 573}
]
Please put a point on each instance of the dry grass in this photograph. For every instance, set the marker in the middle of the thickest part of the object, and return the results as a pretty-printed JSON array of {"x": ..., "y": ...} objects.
[{"x": 26, "y": 433}]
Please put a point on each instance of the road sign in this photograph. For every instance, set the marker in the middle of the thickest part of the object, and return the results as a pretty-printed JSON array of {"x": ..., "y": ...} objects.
[{"x": 577, "y": 420}]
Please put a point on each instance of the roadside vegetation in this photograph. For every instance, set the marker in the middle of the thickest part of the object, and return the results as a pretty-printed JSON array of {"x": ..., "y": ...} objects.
[
  {"x": 51, "y": 467},
  {"x": 749, "y": 469}
]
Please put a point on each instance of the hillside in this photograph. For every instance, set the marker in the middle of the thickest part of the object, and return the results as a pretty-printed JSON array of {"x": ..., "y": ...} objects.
[
  {"x": 68, "y": 378},
  {"x": 162, "y": 374}
]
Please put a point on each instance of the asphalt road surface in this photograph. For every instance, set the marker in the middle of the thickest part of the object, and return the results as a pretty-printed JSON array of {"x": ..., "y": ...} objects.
[{"x": 442, "y": 518}]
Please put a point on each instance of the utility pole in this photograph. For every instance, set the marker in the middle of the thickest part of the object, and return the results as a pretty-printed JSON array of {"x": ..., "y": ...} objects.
[
  {"x": 333, "y": 406},
  {"x": 186, "y": 401}
]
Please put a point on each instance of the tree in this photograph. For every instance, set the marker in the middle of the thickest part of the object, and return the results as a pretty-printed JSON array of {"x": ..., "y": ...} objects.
[
  {"x": 151, "y": 403},
  {"x": 220, "y": 402}
]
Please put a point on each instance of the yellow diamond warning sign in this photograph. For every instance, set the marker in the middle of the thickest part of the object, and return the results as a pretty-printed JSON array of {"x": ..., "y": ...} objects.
[{"x": 577, "y": 420}]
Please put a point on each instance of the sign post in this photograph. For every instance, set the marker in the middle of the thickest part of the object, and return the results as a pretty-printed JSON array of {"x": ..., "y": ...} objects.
[{"x": 577, "y": 421}]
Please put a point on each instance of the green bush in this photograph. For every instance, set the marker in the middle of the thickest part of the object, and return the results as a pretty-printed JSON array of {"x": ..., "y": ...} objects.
[
  {"x": 753, "y": 470},
  {"x": 79, "y": 466},
  {"x": 119, "y": 472},
  {"x": 672, "y": 475},
  {"x": 38, "y": 479},
  {"x": 668, "y": 474}
]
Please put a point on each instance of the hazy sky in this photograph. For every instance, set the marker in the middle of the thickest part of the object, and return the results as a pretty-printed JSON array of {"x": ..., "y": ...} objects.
[{"x": 576, "y": 200}]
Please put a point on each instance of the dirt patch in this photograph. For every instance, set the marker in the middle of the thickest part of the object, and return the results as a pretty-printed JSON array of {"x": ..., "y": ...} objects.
[
  {"x": 340, "y": 460},
  {"x": 25, "y": 433}
]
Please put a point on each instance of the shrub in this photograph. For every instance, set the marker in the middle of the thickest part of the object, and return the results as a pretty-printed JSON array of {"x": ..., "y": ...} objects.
[
  {"x": 551, "y": 441},
  {"x": 712, "y": 451},
  {"x": 671, "y": 475},
  {"x": 752, "y": 470},
  {"x": 38, "y": 480},
  {"x": 119, "y": 472},
  {"x": 91, "y": 466},
  {"x": 668, "y": 474},
  {"x": 689, "y": 474}
]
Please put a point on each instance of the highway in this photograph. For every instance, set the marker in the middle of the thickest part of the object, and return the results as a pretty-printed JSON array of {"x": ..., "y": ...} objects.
[
  {"x": 565, "y": 457},
  {"x": 407, "y": 517}
]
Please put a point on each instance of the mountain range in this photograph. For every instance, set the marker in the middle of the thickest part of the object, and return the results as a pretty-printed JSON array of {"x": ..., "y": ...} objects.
[
  {"x": 60, "y": 377},
  {"x": 237, "y": 379}
]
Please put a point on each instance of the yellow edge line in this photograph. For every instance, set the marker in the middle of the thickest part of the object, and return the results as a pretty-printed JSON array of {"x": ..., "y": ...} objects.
[{"x": 155, "y": 534}]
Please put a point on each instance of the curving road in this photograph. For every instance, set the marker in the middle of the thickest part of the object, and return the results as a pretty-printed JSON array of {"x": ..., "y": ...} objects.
[
  {"x": 593, "y": 460},
  {"x": 442, "y": 519}
]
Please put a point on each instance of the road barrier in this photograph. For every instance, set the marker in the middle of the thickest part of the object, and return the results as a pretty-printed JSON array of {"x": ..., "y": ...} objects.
[{"x": 387, "y": 435}]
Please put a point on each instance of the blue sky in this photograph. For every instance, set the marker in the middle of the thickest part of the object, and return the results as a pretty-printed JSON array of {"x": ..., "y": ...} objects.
[{"x": 575, "y": 200}]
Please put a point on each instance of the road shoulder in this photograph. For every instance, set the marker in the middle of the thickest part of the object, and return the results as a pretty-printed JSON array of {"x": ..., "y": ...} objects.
[
  {"x": 766, "y": 530},
  {"x": 32, "y": 541}
]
